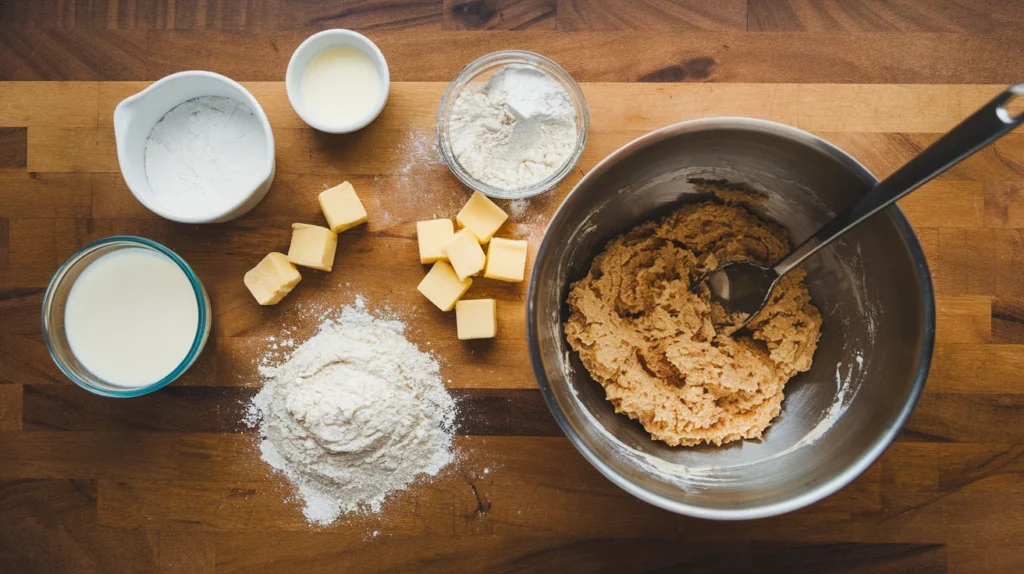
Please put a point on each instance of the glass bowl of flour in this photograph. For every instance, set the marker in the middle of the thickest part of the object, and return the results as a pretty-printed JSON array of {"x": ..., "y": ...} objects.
[{"x": 512, "y": 124}]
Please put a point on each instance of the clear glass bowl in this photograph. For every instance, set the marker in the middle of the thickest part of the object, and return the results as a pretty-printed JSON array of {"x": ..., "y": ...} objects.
[
  {"x": 57, "y": 296},
  {"x": 481, "y": 70}
]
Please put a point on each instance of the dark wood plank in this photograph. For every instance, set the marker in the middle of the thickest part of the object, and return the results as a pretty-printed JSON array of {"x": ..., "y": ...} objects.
[
  {"x": 13, "y": 149},
  {"x": 5, "y": 242},
  {"x": 190, "y": 15},
  {"x": 970, "y": 16},
  {"x": 89, "y": 455},
  {"x": 181, "y": 552},
  {"x": 29, "y": 549},
  {"x": 21, "y": 310},
  {"x": 366, "y": 15},
  {"x": 187, "y": 409},
  {"x": 653, "y": 15},
  {"x": 982, "y": 467},
  {"x": 36, "y": 54},
  {"x": 220, "y": 14},
  {"x": 597, "y": 56},
  {"x": 177, "y": 408},
  {"x": 1006, "y": 14},
  {"x": 25, "y": 360},
  {"x": 314, "y": 553},
  {"x": 257, "y": 506},
  {"x": 971, "y": 558},
  {"x": 589, "y": 56},
  {"x": 48, "y": 502},
  {"x": 518, "y": 412},
  {"x": 965, "y": 417},
  {"x": 10, "y": 407},
  {"x": 499, "y": 14}
]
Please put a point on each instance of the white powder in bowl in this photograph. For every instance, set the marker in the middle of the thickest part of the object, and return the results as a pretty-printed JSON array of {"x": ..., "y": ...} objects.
[
  {"x": 355, "y": 414},
  {"x": 205, "y": 155},
  {"x": 514, "y": 131}
]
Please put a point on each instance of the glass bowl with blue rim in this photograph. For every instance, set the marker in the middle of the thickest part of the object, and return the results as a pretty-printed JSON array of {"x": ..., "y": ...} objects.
[{"x": 55, "y": 302}]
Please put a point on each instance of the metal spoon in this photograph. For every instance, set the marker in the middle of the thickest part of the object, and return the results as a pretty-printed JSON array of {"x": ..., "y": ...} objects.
[{"x": 744, "y": 287}]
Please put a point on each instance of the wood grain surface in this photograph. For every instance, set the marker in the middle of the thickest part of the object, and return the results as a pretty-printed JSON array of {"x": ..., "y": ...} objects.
[{"x": 172, "y": 482}]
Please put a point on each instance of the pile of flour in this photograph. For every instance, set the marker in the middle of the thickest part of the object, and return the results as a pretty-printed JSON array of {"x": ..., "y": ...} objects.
[
  {"x": 205, "y": 155},
  {"x": 356, "y": 413},
  {"x": 515, "y": 130}
]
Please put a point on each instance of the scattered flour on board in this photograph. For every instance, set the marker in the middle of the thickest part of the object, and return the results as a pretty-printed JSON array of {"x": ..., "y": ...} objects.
[
  {"x": 354, "y": 414},
  {"x": 405, "y": 186}
]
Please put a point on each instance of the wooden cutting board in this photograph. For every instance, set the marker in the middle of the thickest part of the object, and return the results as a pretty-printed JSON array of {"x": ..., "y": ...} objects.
[{"x": 174, "y": 478}]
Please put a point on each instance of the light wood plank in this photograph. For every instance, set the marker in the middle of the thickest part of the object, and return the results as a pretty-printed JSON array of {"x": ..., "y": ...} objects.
[
  {"x": 49, "y": 104},
  {"x": 946, "y": 204},
  {"x": 978, "y": 368},
  {"x": 963, "y": 319}
]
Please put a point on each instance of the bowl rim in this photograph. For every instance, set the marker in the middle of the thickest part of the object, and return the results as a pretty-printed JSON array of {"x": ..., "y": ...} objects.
[
  {"x": 869, "y": 455},
  {"x": 336, "y": 37},
  {"x": 505, "y": 58},
  {"x": 246, "y": 97},
  {"x": 198, "y": 342}
]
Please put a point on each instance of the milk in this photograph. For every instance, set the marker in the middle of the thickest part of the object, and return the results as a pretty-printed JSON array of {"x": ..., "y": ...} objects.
[
  {"x": 340, "y": 86},
  {"x": 131, "y": 317}
]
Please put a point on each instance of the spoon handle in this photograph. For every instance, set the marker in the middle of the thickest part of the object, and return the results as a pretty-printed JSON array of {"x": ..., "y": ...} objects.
[{"x": 985, "y": 126}]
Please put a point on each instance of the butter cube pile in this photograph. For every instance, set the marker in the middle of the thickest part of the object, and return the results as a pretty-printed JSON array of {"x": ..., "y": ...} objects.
[
  {"x": 458, "y": 256},
  {"x": 311, "y": 246},
  {"x": 443, "y": 287},
  {"x": 506, "y": 260},
  {"x": 465, "y": 254}
]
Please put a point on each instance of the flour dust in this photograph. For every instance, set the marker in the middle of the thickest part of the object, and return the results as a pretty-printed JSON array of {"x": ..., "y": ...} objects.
[{"x": 353, "y": 415}]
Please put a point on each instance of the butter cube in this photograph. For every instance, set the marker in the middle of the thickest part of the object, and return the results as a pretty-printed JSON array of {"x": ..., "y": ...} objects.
[
  {"x": 342, "y": 207},
  {"x": 506, "y": 260},
  {"x": 442, "y": 286},
  {"x": 272, "y": 279},
  {"x": 432, "y": 236},
  {"x": 476, "y": 319},
  {"x": 481, "y": 216},
  {"x": 312, "y": 246},
  {"x": 465, "y": 254}
]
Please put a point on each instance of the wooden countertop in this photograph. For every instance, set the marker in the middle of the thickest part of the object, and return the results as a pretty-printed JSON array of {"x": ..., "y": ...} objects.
[{"x": 172, "y": 482}]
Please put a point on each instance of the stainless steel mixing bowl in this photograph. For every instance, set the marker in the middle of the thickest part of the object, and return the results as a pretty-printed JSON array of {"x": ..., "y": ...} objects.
[{"x": 872, "y": 287}]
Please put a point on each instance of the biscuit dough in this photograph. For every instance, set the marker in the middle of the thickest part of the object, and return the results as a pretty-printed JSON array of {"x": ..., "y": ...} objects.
[{"x": 665, "y": 355}]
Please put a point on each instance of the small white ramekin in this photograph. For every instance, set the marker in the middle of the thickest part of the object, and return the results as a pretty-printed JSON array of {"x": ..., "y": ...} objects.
[{"x": 314, "y": 45}]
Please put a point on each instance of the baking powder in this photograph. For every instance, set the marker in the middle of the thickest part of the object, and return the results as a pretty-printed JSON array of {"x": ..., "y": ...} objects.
[
  {"x": 205, "y": 156},
  {"x": 514, "y": 131},
  {"x": 356, "y": 413}
]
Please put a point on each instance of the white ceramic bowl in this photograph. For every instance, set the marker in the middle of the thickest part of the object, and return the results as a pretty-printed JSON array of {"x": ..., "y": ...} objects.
[
  {"x": 314, "y": 45},
  {"x": 136, "y": 115}
]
